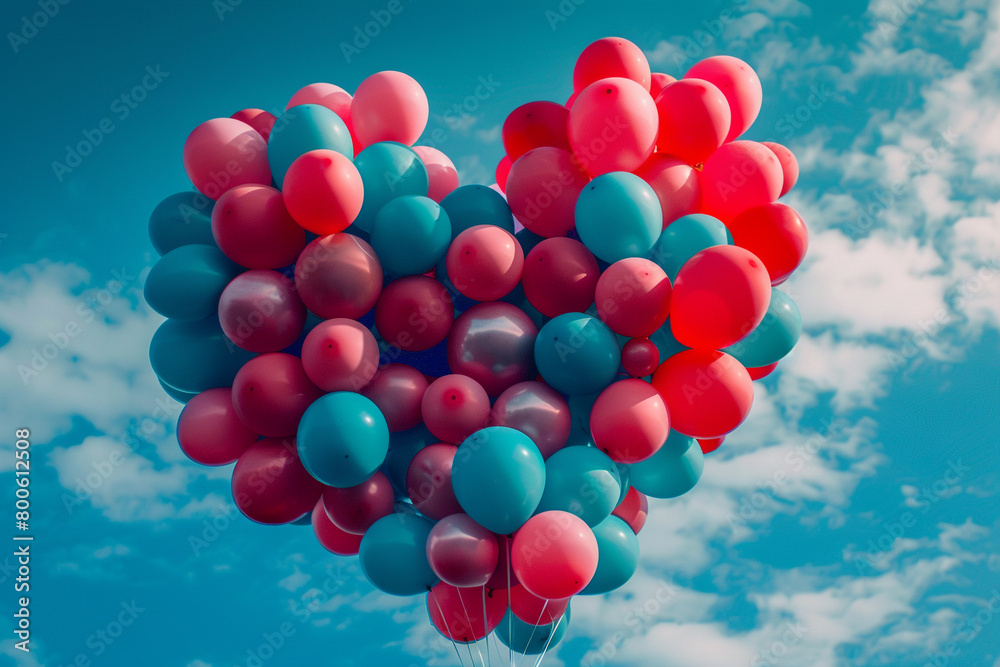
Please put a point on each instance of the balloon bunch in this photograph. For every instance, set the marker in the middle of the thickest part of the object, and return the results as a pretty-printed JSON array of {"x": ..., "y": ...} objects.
[{"x": 477, "y": 388}]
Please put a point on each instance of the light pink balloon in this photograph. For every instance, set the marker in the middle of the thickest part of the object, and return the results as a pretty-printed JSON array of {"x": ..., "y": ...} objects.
[
  {"x": 675, "y": 183},
  {"x": 789, "y": 166},
  {"x": 222, "y": 153},
  {"x": 356, "y": 508},
  {"x": 611, "y": 57},
  {"x": 340, "y": 355},
  {"x": 554, "y": 555},
  {"x": 485, "y": 262},
  {"x": 441, "y": 172},
  {"x": 461, "y": 552},
  {"x": 397, "y": 390},
  {"x": 538, "y": 411},
  {"x": 428, "y": 481},
  {"x": 389, "y": 106},
  {"x": 333, "y": 538},
  {"x": 613, "y": 126},
  {"x": 271, "y": 392},
  {"x": 454, "y": 407},
  {"x": 629, "y": 421},
  {"x": 694, "y": 120},
  {"x": 542, "y": 189},
  {"x": 738, "y": 82},
  {"x": 334, "y": 98},
  {"x": 260, "y": 311},
  {"x": 657, "y": 82},
  {"x": 258, "y": 119},
  {"x": 210, "y": 432},
  {"x": 338, "y": 276},
  {"x": 737, "y": 176}
]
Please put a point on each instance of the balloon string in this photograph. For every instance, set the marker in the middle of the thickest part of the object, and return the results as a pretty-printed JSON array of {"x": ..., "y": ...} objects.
[
  {"x": 486, "y": 626},
  {"x": 533, "y": 628},
  {"x": 468, "y": 622},
  {"x": 549, "y": 640},
  {"x": 448, "y": 628}
]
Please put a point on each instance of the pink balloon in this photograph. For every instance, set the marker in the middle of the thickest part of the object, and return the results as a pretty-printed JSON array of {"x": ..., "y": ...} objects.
[
  {"x": 389, "y": 106},
  {"x": 428, "y": 481},
  {"x": 253, "y": 228},
  {"x": 461, "y": 552},
  {"x": 338, "y": 276},
  {"x": 533, "y": 125},
  {"x": 340, "y": 355},
  {"x": 657, "y": 82},
  {"x": 260, "y": 311},
  {"x": 611, "y": 57},
  {"x": 707, "y": 392},
  {"x": 737, "y": 176},
  {"x": 210, "y": 432},
  {"x": 554, "y": 554},
  {"x": 224, "y": 152},
  {"x": 354, "y": 509},
  {"x": 694, "y": 120},
  {"x": 454, "y": 407},
  {"x": 465, "y": 614},
  {"x": 542, "y": 189},
  {"x": 613, "y": 126},
  {"x": 258, "y": 119},
  {"x": 629, "y": 421},
  {"x": 675, "y": 183},
  {"x": 640, "y": 357},
  {"x": 738, "y": 82},
  {"x": 332, "y": 538},
  {"x": 633, "y": 509},
  {"x": 485, "y": 262},
  {"x": 494, "y": 344},
  {"x": 789, "y": 166},
  {"x": 323, "y": 191},
  {"x": 633, "y": 297},
  {"x": 414, "y": 313},
  {"x": 397, "y": 390},
  {"x": 271, "y": 486},
  {"x": 538, "y": 411},
  {"x": 533, "y": 609},
  {"x": 334, "y": 98},
  {"x": 560, "y": 276},
  {"x": 271, "y": 392},
  {"x": 441, "y": 172}
]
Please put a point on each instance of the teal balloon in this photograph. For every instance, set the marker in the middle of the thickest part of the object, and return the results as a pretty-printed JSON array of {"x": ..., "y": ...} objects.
[
  {"x": 583, "y": 481},
  {"x": 529, "y": 639},
  {"x": 665, "y": 342},
  {"x": 388, "y": 169},
  {"x": 403, "y": 446},
  {"x": 618, "y": 215},
  {"x": 498, "y": 477},
  {"x": 683, "y": 238},
  {"x": 342, "y": 439},
  {"x": 184, "y": 218},
  {"x": 774, "y": 337},
  {"x": 672, "y": 471},
  {"x": 186, "y": 283},
  {"x": 194, "y": 355},
  {"x": 304, "y": 128},
  {"x": 176, "y": 394},
  {"x": 623, "y": 477},
  {"x": 471, "y": 205},
  {"x": 410, "y": 235},
  {"x": 617, "y": 556},
  {"x": 393, "y": 555},
  {"x": 577, "y": 354}
]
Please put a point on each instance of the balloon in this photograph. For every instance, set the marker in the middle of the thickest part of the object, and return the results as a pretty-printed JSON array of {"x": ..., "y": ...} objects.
[
  {"x": 530, "y": 639},
  {"x": 668, "y": 474},
  {"x": 554, "y": 555},
  {"x": 776, "y": 234},
  {"x": 498, "y": 477},
  {"x": 338, "y": 276},
  {"x": 186, "y": 283},
  {"x": 542, "y": 189},
  {"x": 611, "y": 56},
  {"x": 389, "y": 106},
  {"x": 323, "y": 191},
  {"x": 260, "y": 311},
  {"x": 410, "y": 235},
  {"x": 618, "y": 216},
  {"x": 428, "y": 481},
  {"x": 252, "y": 226},
  {"x": 529, "y": 608},
  {"x": 738, "y": 82},
  {"x": 465, "y": 614},
  {"x": 774, "y": 337},
  {"x": 560, "y": 276},
  {"x": 397, "y": 390},
  {"x": 270, "y": 485},
  {"x": 534, "y": 125},
  {"x": 334, "y": 98},
  {"x": 492, "y": 343},
  {"x": 461, "y": 552},
  {"x": 789, "y": 166},
  {"x": 613, "y": 125},
  {"x": 194, "y": 355},
  {"x": 454, "y": 407},
  {"x": 304, "y": 128},
  {"x": 761, "y": 372},
  {"x": 582, "y": 481},
  {"x": 184, "y": 218},
  {"x": 633, "y": 510},
  {"x": 633, "y": 297},
  {"x": 403, "y": 446},
  {"x": 502, "y": 172},
  {"x": 708, "y": 393},
  {"x": 442, "y": 177},
  {"x": 640, "y": 357},
  {"x": 538, "y": 411},
  {"x": 618, "y": 557},
  {"x": 209, "y": 431},
  {"x": 332, "y": 537},
  {"x": 676, "y": 184},
  {"x": 694, "y": 119},
  {"x": 683, "y": 238},
  {"x": 340, "y": 355},
  {"x": 502, "y": 577},
  {"x": 577, "y": 354},
  {"x": 658, "y": 81},
  {"x": 629, "y": 421},
  {"x": 393, "y": 555},
  {"x": 388, "y": 170},
  {"x": 271, "y": 392},
  {"x": 710, "y": 444},
  {"x": 485, "y": 262},
  {"x": 414, "y": 313},
  {"x": 720, "y": 295},
  {"x": 738, "y": 176},
  {"x": 354, "y": 509},
  {"x": 261, "y": 121},
  {"x": 222, "y": 153},
  {"x": 343, "y": 439}
]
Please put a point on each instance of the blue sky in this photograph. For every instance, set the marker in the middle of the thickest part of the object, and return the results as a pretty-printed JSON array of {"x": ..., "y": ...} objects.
[{"x": 852, "y": 520}]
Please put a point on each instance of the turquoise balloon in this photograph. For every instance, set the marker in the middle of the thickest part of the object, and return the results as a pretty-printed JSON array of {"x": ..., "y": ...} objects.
[
  {"x": 304, "y": 128},
  {"x": 672, "y": 471},
  {"x": 617, "y": 556},
  {"x": 498, "y": 477},
  {"x": 186, "y": 283},
  {"x": 683, "y": 238},
  {"x": 194, "y": 355},
  {"x": 388, "y": 169},
  {"x": 529, "y": 639},
  {"x": 393, "y": 555},
  {"x": 471, "y": 205},
  {"x": 623, "y": 477},
  {"x": 774, "y": 337},
  {"x": 617, "y": 216},
  {"x": 184, "y": 218},
  {"x": 403, "y": 446},
  {"x": 583, "y": 481},
  {"x": 176, "y": 394},
  {"x": 665, "y": 342},
  {"x": 410, "y": 235},
  {"x": 342, "y": 439},
  {"x": 577, "y": 354}
]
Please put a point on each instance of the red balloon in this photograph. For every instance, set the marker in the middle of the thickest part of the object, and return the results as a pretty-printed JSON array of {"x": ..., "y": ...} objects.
[
  {"x": 502, "y": 172},
  {"x": 271, "y": 392},
  {"x": 694, "y": 119},
  {"x": 323, "y": 191},
  {"x": 675, "y": 183},
  {"x": 533, "y": 125},
  {"x": 535, "y": 610},
  {"x": 737, "y": 176},
  {"x": 761, "y": 371},
  {"x": 789, "y": 166},
  {"x": 260, "y": 311},
  {"x": 334, "y": 98},
  {"x": 454, "y": 407},
  {"x": 629, "y": 421},
  {"x": 210, "y": 432},
  {"x": 710, "y": 444},
  {"x": 270, "y": 484},
  {"x": 633, "y": 509},
  {"x": 554, "y": 554},
  {"x": 611, "y": 56},
  {"x": 258, "y": 119},
  {"x": 441, "y": 173},
  {"x": 333, "y": 539},
  {"x": 560, "y": 276},
  {"x": 397, "y": 390},
  {"x": 719, "y": 296},
  {"x": 633, "y": 297},
  {"x": 776, "y": 234},
  {"x": 640, "y": 357},
  {"x": 414, "y": 313},
  {"x": 461, "y": 552},
  {"x": 485, "y": 262},
  {"x": 354, "y": 509},
  {"x": 707, "y": 392},
  {"x": 253, "y": 228},
  {"x": 338, "y": 276},
  {"x": 613, "y": 126},
  {"x": 223, "y": 153},
  {"x": 738, "y": 82},
  {"x": 340, "y": 355},
  {"x": 428, "y": 481},
  {"x": 457, "y": 613},
  {"x": 542, "y": 189},
  {"x": 657, "y": 82},
  {"x": 538, "y": 411}
]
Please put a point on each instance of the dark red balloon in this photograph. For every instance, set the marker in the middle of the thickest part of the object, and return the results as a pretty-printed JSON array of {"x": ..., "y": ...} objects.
[
  {"x": 338, "y": 276},
  {"x": 333, "y": 539},
  {"x": 458, "y": 613},
  {"x": 254, "y": 229},
  {"x": 271, "y": 392},
  {"x": 356, "y": 508},
  {"x": 560, "y": 276},
  {"x": 270, "y": 485},
  {"x": 640, "y": 357},
  {"x": 414, "y": 313},
  {"x": 209, "y": 430},
  {"x": 535, "y": 610},
  {"x": 533, "y": 125},
  {"x": 397, "y": 390},
  {"x": 428, "y": 481}
]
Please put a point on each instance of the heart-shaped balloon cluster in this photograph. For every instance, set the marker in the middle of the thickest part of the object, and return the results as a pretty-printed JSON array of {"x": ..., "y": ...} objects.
[{"x": 476, "y": 388}]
